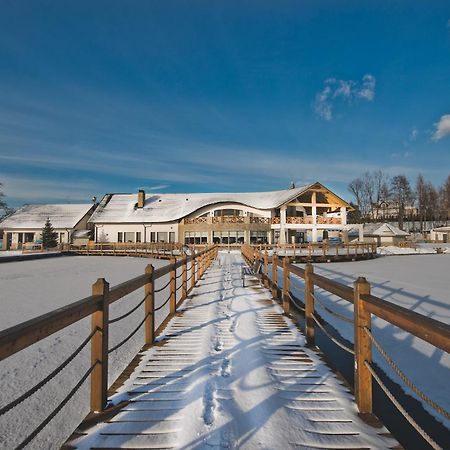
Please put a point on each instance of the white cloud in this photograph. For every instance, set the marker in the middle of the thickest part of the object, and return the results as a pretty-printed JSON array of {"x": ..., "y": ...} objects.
[
  {"x": 442, "y": 128},
  {"x": 347, "y": 90}
]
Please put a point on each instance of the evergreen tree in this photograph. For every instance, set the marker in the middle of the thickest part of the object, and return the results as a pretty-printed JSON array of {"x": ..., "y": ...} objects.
[{"x": 48, "y": 235}]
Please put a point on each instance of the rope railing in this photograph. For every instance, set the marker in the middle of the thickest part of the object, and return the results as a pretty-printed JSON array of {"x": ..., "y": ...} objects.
[
  {"x": 113, "y": 349},
  {"x": 332, "y": 338},
  {"x": 164, "y": 304},
  {"x": 439, "y": 409},
  {"x": 295, "y": 301},
  {"x": 50, "y": 376},
  {"x": 61, "y": 405},
  {"x": 131, "y": 311},
  {"x": 179, "y": 276},
  {"x": 162, "y": 288},
  {"x": 401, "y": 409},
  {"x": 333, "y": 313}
]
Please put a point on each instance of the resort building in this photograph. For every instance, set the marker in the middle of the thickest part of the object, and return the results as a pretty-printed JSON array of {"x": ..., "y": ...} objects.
[
  {"x": 300, "y": 214},
  {"x": 26, "y": 224}
]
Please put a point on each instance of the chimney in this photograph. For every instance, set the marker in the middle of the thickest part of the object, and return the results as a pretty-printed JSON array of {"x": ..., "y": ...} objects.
[{"x": 141, "y": 198}]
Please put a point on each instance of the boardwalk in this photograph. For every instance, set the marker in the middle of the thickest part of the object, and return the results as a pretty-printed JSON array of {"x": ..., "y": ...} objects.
[{"x": 232, "y": 372}]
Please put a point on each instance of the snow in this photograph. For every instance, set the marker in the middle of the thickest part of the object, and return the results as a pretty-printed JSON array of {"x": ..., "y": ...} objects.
[
  {"x": 419, "y": 283},
  {"x": 232, "y": 372},
  {"x": 31, "y": 288},
  {"x": 169, "y": 207},
  {"x": 34, "y": 216},
  {"x": 421, "y": 249}
]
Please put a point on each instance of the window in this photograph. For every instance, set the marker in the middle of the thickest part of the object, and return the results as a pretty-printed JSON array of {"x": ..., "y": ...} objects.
[
  {"x": 138, "y": 236},
  {"x": 171, "y": 237},
  {"x": 29, "y": 237},
  {"x": 61, "y": 238},
  {"x": 152, "y": 236},
  {"x": 258, "y": 237},
  {"x": 119, "y": 236},
  {"x": 128, "y": 236},
  {"x": 162, "y": 236}
]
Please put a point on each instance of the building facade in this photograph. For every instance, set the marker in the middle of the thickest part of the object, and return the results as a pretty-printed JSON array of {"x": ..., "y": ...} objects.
[
  {"x": 300, "y": 214},
  {"x": 25, "y": 225}
]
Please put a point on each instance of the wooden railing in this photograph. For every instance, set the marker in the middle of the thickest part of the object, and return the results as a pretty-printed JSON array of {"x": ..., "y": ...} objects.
[
  {"x": 153, "y": 249},
  {"x": 21, "y": 336},
  {"x": 366, "y": 305},
  {"x": 323, "y": 248}
]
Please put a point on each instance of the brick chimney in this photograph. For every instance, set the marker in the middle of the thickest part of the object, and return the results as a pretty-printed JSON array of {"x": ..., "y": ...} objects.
[{"x": 141, "y": 198}]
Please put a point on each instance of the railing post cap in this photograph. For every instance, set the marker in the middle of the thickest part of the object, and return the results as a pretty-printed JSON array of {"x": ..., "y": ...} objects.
[
  {"x": 101, "y": 282},
  {"x": 149, "y": 268},
  {"x": 361, "y": 280}
]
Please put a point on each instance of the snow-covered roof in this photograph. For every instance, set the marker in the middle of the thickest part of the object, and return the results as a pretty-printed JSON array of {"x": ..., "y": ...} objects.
[
  {"x": 383, "y": 229},
  {"x": 120, "y": 208},
  {"x": 34, "y": 216},
  {"x": 442, "y": 229}
]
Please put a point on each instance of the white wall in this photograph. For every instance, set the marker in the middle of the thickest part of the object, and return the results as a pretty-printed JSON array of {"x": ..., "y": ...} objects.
[{"x": 110, "y": 231}]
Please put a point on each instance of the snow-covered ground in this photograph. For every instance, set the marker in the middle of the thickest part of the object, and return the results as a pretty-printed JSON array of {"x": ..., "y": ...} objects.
[
  {"x": 420, "y": 283},
  {"x": 419, "y": 249},
  {"x": 31, "y": 288}
]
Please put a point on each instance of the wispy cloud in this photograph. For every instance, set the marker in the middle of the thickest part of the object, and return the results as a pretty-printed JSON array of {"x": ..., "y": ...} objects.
[
  {"x": 413, "y": 134},
  {"x": 345, "y": 90},
  {"x": 442, "y": 128},
  {"x": 159, "y": 187}
]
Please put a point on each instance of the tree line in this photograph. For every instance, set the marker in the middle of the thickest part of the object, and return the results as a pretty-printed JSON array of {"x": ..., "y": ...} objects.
[{"x": 378, "y": 196}]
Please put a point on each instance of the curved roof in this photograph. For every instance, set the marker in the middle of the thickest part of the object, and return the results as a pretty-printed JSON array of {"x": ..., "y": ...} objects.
[
  {"x": 34, "y": 216},
  {"x": 121, "y": 208}
]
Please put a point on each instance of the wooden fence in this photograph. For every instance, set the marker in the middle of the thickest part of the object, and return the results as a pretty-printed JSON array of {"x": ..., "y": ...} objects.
[
  {"x": 366, "y": 305},
  {"x": 21, "y": 336}
]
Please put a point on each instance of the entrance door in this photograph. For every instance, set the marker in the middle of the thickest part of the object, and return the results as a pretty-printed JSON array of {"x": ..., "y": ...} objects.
[{"x": 8, "y": 241}]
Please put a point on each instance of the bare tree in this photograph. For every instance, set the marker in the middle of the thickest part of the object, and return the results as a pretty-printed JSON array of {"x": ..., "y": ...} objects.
[
  {"x": 422, "y": 199},
  {"x": 402, "y": 196}
]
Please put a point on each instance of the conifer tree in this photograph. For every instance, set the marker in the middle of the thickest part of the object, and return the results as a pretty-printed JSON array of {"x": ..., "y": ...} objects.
[{"x": 48, "y": 235}]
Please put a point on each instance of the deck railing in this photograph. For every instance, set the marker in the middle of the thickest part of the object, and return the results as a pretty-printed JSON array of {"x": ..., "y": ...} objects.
[
  {"x": 366, "y": 305},
  {"x": 21, "y": 336}
]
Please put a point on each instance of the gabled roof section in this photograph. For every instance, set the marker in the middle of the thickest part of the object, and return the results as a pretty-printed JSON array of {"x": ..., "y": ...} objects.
[
  {"x": 383, "y": 229},
  {"x": 158, "y": 208},
  {"x": 34, "y": 216}
]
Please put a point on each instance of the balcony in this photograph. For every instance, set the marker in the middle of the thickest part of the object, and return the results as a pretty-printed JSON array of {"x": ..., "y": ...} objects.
[
  {"x": 305, "y": 220},
  {"x": 228, "y": 219}
]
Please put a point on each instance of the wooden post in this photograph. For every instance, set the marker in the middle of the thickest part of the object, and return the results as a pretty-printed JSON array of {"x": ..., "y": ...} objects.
[
  {"x": 363, "y": 348},
  {"x": 266, "y": 270},
  {"x": 184, "y": 279},
  {"x": 286, "y": 303},
  {"x": 149, "y": 323},
  {"x": 99, "y": 348},
  {"x": 275, "y": 276},
  {"x": 173, "y": 287},
  {"x": 309, "y": 305},
  {"x": 193, "y": 266}
]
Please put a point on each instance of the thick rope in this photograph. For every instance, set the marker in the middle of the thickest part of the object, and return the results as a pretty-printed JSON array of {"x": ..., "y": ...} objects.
[
  {"x": 405, "y": 379},
  {"x": 181, "y": 274},
  {"x": 402, "y": 410},
  {"x": 55, "y": 372},
  {"x": 338, "y": 343},
  {"x": 333, "y": 313},
  {"x": 164, "y": 304},
  {"x": 129, "y": 336},
  {"x": 162, "y": 288},
  {"x": 24, "y": 443},
  {"x": 131, "y": 311},
  {"x": 295, "y": 301}
]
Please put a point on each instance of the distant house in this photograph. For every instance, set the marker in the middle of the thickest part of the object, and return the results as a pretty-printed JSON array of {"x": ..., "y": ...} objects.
[
  {"x": 383, "y": 234},
  {"x": 301, "y": 214},
  {"x": 441, "y": 234},
  {"x": 25, "y": 225}
]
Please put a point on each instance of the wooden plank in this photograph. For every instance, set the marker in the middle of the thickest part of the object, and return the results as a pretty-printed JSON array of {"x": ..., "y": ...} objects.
[
  {"x": 309, "y": 305},
  {"x": 339, "y": 289},
  {"x": 149, "y": 305}
]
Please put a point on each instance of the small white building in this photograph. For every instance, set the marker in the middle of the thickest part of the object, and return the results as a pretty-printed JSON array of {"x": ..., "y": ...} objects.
[
  {"x": 384, "y": 234},
  {"x": 441, "y": 234},
  {"x": 26, "y": 224}
]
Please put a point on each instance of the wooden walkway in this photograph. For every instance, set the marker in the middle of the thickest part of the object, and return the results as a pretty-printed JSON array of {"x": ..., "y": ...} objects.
[{"x": 231, "y": 371}]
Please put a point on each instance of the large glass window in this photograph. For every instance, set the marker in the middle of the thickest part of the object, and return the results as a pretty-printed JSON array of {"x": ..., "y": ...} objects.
[
  {"x": 258, "y": 237},
  {"x": 129, "y": 236},
  {"x": 162, "y": 236},
  {"x": 138, "y": 236},
  {"x": 119, "y": 236},
  {"x": 152, "y": 236}
]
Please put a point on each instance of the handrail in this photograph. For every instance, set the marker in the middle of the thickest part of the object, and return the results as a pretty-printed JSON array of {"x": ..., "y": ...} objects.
[
  {"x": 20, "y": 336},
  {"x": 430, "y": 330}
]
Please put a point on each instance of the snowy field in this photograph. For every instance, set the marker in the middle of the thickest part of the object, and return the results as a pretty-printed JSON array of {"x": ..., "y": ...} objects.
[
  {"x": 31, "y": 288},
  {"x": 420, "y": 283}
]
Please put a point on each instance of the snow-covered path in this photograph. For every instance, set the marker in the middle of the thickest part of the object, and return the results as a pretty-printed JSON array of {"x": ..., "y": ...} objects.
[{"x": 232, "y": 372}]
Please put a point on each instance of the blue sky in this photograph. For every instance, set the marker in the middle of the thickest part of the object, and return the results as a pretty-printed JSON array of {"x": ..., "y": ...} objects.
[{"x": 111, "y": 96}]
